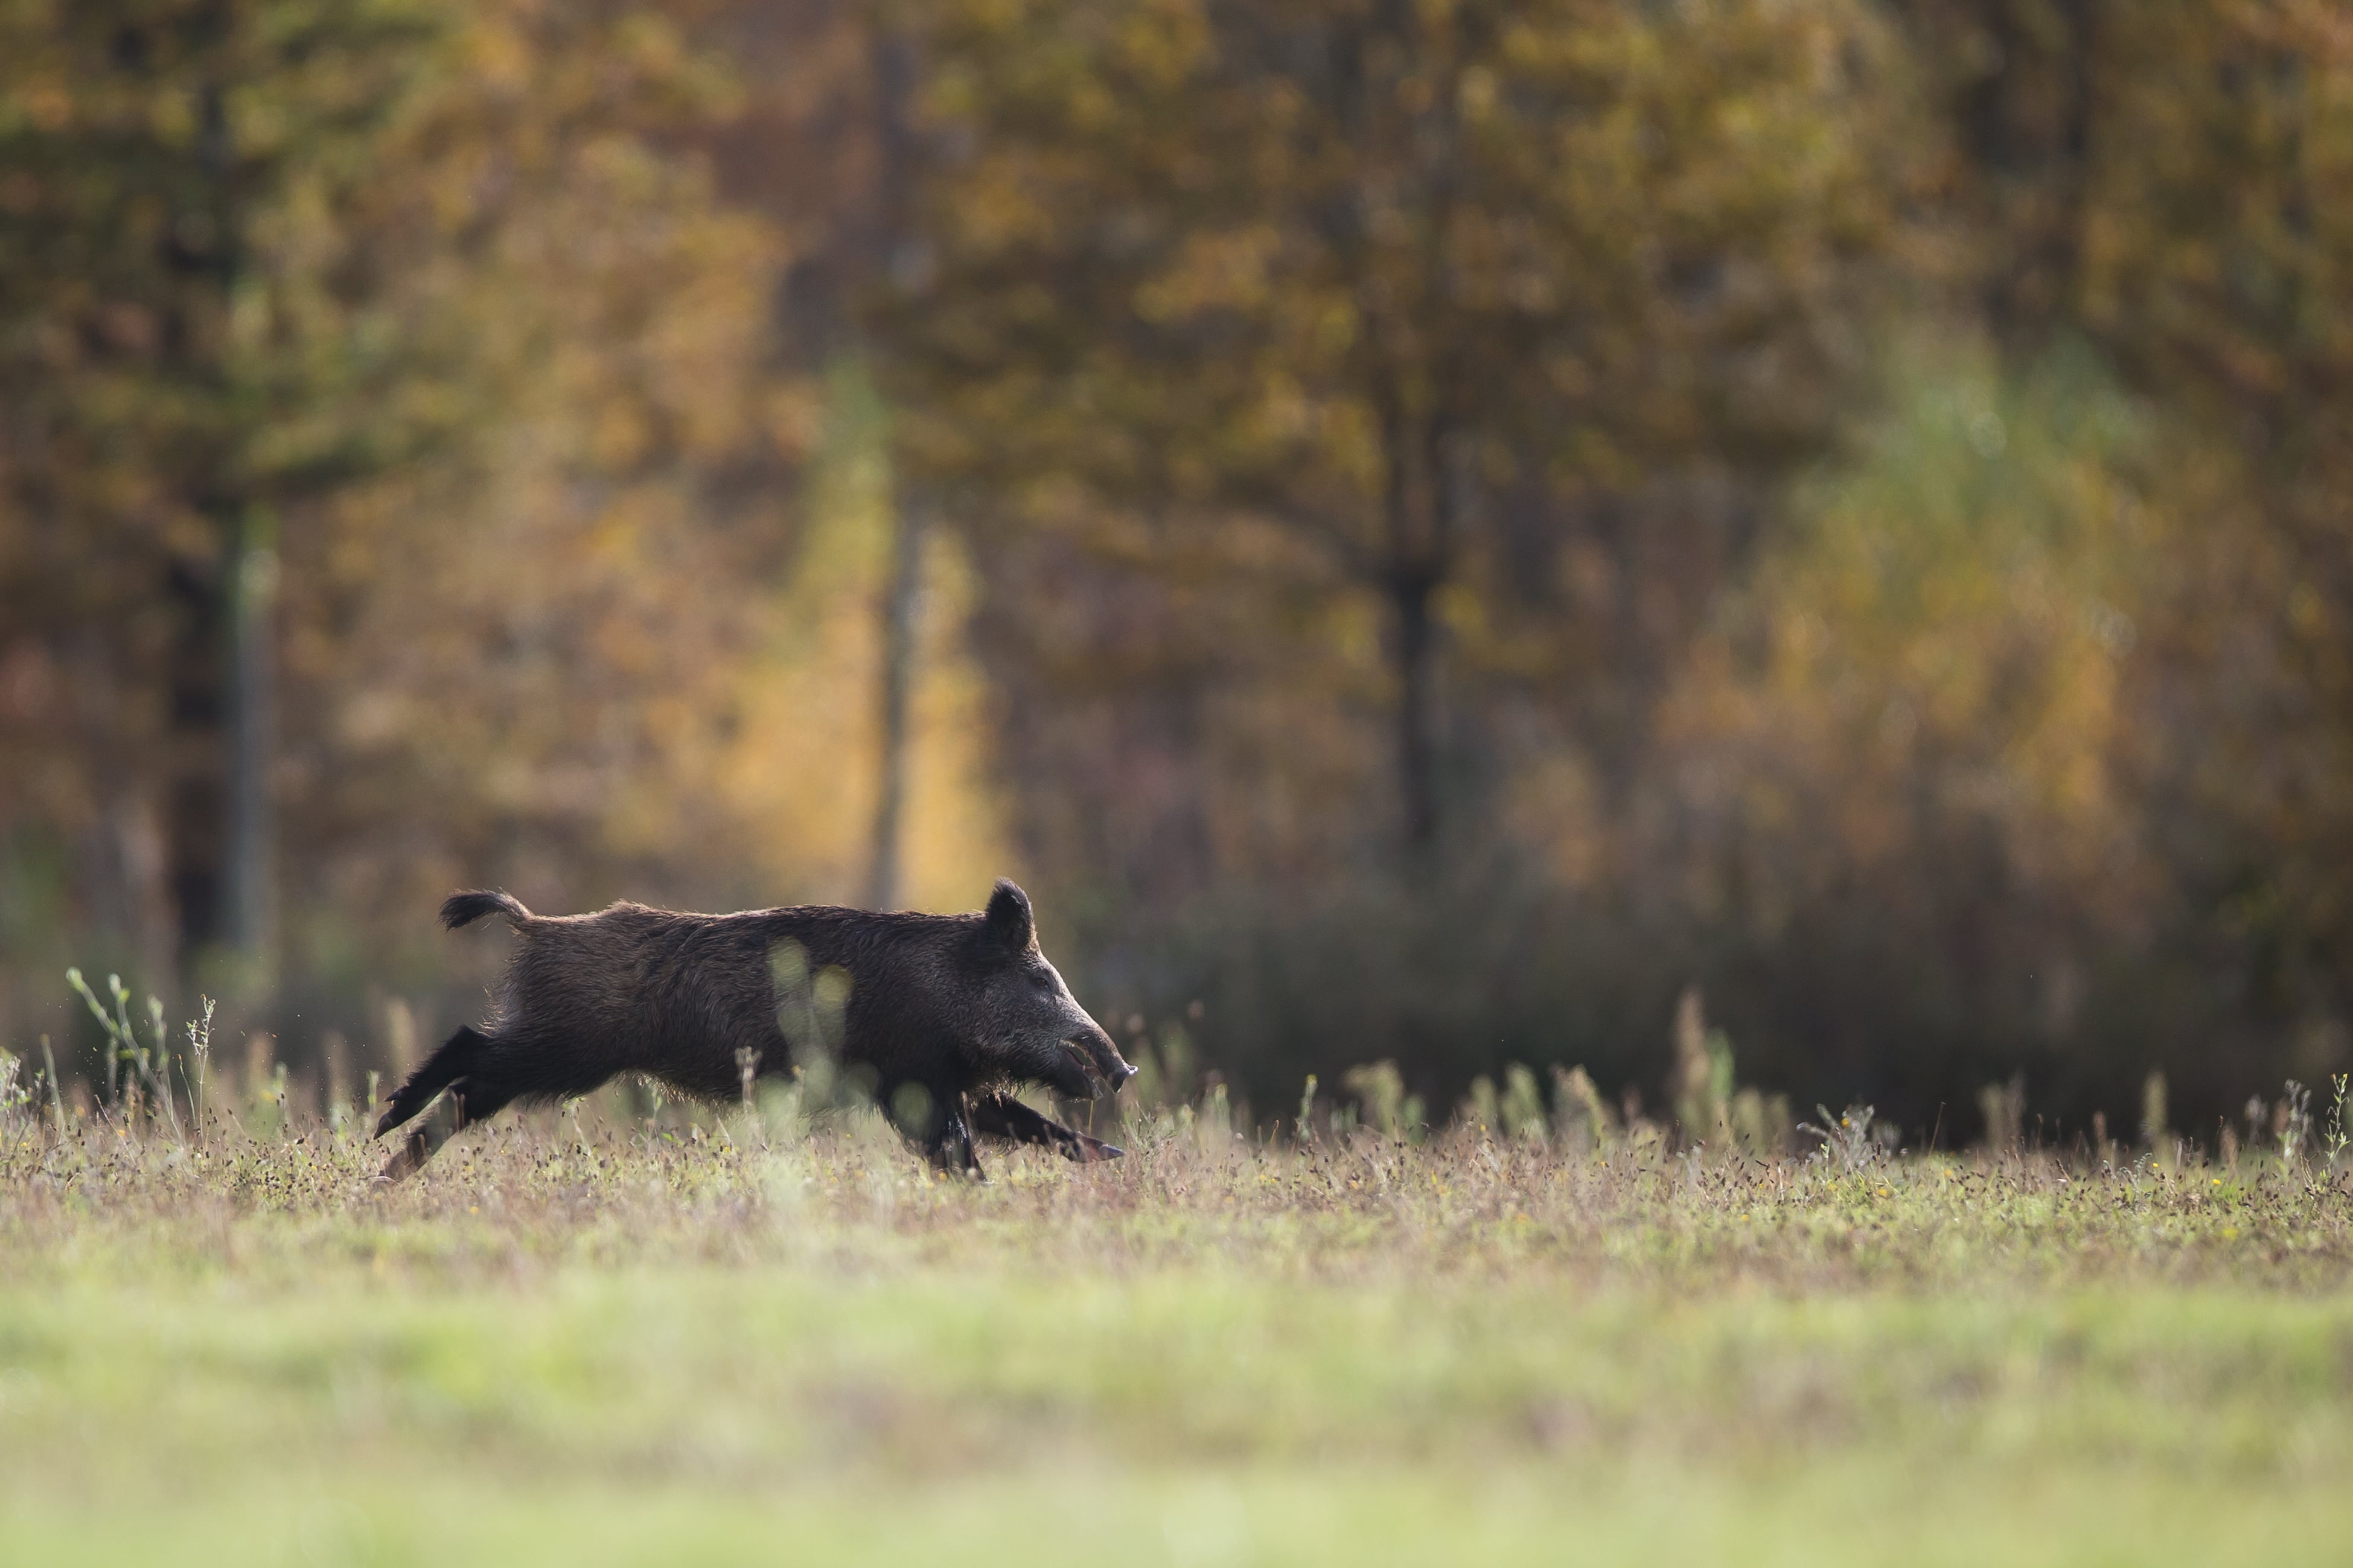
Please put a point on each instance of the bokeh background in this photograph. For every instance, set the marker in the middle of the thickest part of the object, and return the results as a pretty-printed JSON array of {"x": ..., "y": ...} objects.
[{"x": 1420, "y": 530}]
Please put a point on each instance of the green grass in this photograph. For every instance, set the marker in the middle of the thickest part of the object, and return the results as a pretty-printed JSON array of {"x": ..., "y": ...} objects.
[{"x": 612, "y": 1347}]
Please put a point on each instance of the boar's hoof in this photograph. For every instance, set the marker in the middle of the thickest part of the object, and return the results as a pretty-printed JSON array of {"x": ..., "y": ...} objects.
[
  {"x": 400, "y": 1167},
  {"x": 414, "y": 1150}
]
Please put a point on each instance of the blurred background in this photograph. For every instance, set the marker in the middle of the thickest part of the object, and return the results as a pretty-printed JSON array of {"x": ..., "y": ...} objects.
[{"x": 1420, "y": 530}]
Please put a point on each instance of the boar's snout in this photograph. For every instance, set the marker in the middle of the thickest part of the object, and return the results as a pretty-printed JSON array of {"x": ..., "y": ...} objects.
[{"x": 1111, "y": 1068}]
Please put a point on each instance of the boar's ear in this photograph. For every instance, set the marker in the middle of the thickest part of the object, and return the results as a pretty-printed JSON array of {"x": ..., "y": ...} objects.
[{"x": 1010, "y": 922}]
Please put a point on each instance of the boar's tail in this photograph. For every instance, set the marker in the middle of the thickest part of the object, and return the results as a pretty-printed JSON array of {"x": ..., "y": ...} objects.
[{"x": 465, "y": 909}]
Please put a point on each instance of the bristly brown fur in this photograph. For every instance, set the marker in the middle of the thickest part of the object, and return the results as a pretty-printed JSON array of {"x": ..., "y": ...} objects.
[{"x": 956, "y": 1005}]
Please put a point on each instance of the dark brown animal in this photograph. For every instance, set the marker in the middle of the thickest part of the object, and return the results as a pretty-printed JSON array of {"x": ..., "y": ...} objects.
[{"x": 944, "y": 1016}]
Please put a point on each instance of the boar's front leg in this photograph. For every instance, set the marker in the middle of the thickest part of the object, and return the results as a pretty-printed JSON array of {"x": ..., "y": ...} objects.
[{"x": 1002, "y": 1116}]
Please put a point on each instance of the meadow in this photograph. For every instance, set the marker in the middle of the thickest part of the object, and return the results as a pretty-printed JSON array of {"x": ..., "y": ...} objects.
[{"x": 588, "y": 1337}]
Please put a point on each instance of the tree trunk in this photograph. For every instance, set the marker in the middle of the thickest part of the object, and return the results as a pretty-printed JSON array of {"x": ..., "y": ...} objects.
[
  {"x": 215, "y": 819},
  {"x": 194, "y": 812},
  {"x": 1421, "y": 505},
  {"x": 1415, "y": 649},
  {"x": 891, "y": 58},
  {"x": 252, "y": 923},
  {"x": 900, "y": 605}
]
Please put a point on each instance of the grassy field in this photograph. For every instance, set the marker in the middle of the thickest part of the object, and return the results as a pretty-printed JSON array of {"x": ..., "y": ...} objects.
[{"x": 581, "y": 1342}]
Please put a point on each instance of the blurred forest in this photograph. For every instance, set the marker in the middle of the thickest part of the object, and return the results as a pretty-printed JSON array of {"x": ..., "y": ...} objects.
[{"x": 1421, "y": 531}]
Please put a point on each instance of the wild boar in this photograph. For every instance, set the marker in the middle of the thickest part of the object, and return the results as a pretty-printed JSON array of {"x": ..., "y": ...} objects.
[{"x": 944, "y": 1016}]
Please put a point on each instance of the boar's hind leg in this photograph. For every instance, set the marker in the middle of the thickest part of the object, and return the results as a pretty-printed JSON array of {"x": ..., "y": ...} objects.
[
  {"x": 414, "y": 1150},
  {"x": 479, "y": 1098},
  {"x": 469, "y": 1066},
  {"x": 458, "y": 1056},
  {"x": 1002, "y": 1116},
  {"x": 472, "y": 1100},
  {"x": 948, "y": 1142}
]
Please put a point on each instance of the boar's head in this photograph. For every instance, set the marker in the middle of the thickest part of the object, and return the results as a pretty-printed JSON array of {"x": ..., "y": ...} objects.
[{"x": 1031, "y": 1026}]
